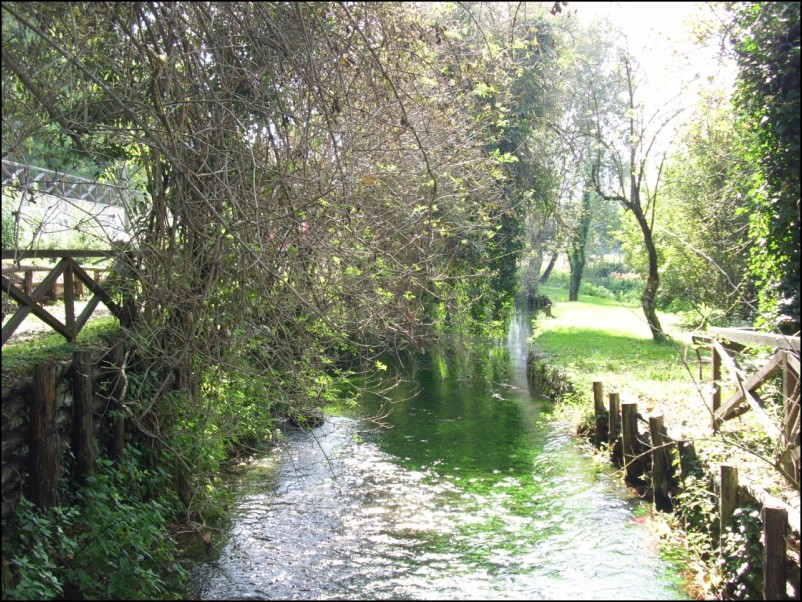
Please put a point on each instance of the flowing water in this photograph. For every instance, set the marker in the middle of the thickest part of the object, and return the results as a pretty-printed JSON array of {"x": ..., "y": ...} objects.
[{"x": 471, "y": 494}]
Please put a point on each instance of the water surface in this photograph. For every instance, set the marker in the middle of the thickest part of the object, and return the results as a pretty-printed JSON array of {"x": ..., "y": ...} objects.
[{"x": 469, "y": 493}]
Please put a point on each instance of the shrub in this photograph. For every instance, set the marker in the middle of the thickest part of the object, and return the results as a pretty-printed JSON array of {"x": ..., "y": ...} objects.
[{"x": 106, "y": 541}]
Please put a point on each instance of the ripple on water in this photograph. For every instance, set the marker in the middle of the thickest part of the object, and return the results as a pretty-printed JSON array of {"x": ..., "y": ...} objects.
[{"x": 335, "y": 515}]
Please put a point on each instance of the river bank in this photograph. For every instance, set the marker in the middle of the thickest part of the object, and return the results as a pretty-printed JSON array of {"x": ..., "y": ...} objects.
[{"x": 602, "y": 340}]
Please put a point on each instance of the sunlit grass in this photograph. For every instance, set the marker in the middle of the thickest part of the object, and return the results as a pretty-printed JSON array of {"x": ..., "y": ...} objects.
[
  {"x": 601, "y": 339},
  {"x": 21, "y": 356}
]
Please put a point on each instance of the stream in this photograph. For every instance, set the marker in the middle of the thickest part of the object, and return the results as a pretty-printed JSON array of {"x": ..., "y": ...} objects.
[{"x": 471, "y": 493}]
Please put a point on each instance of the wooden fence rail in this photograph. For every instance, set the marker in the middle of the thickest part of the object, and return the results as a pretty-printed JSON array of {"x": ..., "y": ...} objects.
[
  {"x": 725, "y": 344},
  {"x": 73, "y": 274}
]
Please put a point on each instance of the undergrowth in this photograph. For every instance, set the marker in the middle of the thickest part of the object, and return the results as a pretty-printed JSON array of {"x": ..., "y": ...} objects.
[{"x": 108, "y": 540}]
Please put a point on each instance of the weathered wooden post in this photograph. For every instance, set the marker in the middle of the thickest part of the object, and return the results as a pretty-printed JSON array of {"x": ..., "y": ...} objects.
[
  {"x": 83, "y": 431},
  {"x": 117, "y": 441},
  {"x": 774, "y": 521},
  {"x": 791, "y": 411},
  {"x": 78, "y": 286},
  {"x": 613, "y": 422},
  {"x": 629, "y": 436},
  {"x": 29, "y": 282},
  {"x": 44, "y": 452},
  {"x": 54, "y": 289},
  {"x": 69, "y": 299},
  {"x": 661, "y": 467},
  {"x": 598, "y": 411},
  {"x": 687, "y": 456},
  {"x": 715, "y": 399},
  {"x": 728, "y": 498}
]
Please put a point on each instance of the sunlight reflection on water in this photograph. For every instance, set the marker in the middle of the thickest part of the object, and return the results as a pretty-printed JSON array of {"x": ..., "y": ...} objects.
[{"x": 336, "y": 515}]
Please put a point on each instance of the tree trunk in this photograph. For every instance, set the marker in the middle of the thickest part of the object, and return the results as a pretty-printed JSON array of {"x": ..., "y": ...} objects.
[
  {"x": 653, "y": 279},
  {"x": 576, "y": 250},
  {"x": 545, "y": 277},
  {"x": 576, "y": 260}
]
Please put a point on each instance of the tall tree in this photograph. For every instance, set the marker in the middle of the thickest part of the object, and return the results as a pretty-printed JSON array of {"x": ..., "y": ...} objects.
[
  {"x": 703, "y": 228},
  {"x": 631, "y": 156},
  {"x": 766, "y": 38},
  {"x": 577, "y": 244},
  {"x": 313, "y": 185},
  {"x": 505, "y": 56}
]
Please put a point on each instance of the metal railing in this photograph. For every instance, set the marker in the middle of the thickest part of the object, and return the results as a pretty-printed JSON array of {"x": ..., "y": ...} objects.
[{"x": 66, "y": 186}]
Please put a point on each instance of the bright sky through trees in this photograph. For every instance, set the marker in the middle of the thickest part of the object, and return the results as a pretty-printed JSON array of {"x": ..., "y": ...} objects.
[{"x": 660, "y": 35}]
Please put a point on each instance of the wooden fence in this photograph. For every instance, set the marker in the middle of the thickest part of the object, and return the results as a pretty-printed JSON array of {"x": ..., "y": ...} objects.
[
  {"x": 61, "y": 406},
  {"x": 617, "y": 424},
  {"x": 725, "y": 344},
  {"x": 74, "y": 277}
]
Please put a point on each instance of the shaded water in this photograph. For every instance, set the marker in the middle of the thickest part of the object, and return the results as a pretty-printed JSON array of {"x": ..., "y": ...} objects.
[{"x": 471, "y": 495}]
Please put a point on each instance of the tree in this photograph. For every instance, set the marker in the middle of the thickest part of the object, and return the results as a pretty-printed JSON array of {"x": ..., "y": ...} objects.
[
  {"x": 766, "y": 39},
  {"x": 576, "y": 246},
  {"x": 703, "y": 228},
  {"x": 314, "y": 187},
  {"x": 629, "y": 142},
  {"x": 505, "y": 57}
]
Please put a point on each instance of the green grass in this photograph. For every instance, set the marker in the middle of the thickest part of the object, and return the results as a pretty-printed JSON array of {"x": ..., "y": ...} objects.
[
  {"x": 602, "y": 339},
  {"x": 20, "y": 357}
]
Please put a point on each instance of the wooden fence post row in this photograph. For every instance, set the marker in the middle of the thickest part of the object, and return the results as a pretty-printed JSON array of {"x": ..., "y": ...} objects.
[
  {"x": 775, "y": 518},
  {"x": 43, "y": 438}
]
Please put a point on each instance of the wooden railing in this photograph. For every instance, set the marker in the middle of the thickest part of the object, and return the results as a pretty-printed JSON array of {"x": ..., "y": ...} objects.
[
  {"x": 725, "y": 344},
  {"x": 73, "y": 273}
]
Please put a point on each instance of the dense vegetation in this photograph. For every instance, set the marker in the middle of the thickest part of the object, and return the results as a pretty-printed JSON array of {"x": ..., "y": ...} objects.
[{"x": 316, "y": 184}]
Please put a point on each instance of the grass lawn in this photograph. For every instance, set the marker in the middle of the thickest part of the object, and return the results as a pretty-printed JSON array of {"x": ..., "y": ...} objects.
[
  {"x": 20, "y": 357},
  {"x": 601, "y": 339}
]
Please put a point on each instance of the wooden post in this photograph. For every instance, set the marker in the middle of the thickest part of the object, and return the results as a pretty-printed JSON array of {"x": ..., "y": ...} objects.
[
  {"x": 69, "y": 299},
  {"x": 728, "y": 498},
  {"x": 83, "y": 443},
  {"x": 117, "y": 441},
  {"x": 715, "y": 402},
  {"x": 629, "y": 436},
  {"x": 29, "y": 282},
  {"x": 54, "y": 289},
  {"x": 774, "y": 521},
  {"x": 661, "y": 477},
  {"x": 614, "y": 422},
  {"x": 44, "y": 452},
  {"x": 687, "y": 457},
  {"x": 791, "y": 415},
  {"x": 598, "y": 411}
]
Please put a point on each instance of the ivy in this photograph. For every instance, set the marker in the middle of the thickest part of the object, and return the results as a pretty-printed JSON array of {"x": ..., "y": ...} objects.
[{"x": 767, "y": 42}]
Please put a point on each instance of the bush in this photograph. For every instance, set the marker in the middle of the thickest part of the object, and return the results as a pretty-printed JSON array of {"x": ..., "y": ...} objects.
[
  {"x": 603, "y": 280},
  {"x": 107, "y": 542}
]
